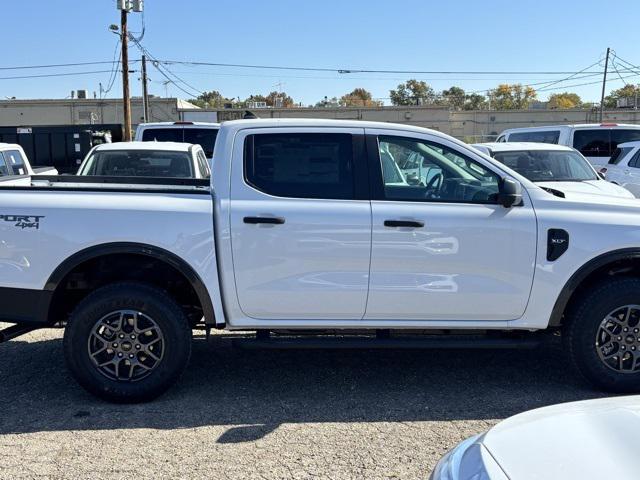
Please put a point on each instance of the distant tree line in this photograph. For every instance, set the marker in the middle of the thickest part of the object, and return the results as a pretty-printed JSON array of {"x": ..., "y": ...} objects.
[{"x": 417, "y": 92}]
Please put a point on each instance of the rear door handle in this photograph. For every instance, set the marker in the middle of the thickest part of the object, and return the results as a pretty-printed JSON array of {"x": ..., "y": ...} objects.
[
  {"x": 403, "y": 223},
  {"x": 266, "y": 220}
]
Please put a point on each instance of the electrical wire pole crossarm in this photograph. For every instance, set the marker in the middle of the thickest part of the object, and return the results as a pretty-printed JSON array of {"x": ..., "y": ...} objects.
[{"x": 126, "y": 102}]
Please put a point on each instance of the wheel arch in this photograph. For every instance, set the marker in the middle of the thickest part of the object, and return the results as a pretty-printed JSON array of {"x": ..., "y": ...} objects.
[
  {"x": 614, "y": 263},
  {"x": 137, "y": 249}
]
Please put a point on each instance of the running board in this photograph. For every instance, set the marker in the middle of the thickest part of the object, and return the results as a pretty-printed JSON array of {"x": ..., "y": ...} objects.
[
  {"x": 14, "y": 331},
  {"x": 462, "y": 342}
]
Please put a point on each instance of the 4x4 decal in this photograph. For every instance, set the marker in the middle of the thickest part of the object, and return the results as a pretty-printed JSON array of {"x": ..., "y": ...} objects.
[{"x": 23, "y": 221}]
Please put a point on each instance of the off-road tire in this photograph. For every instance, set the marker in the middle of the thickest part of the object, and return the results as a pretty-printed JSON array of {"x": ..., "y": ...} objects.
[
  {"x": 581, "y": 328},
  {"x": 129, "y": 296}
]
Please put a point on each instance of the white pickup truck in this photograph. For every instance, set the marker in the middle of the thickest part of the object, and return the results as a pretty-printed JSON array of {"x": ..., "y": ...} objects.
[
  {"x": 14, "y": 163},
  {"x": 306, "y": 233}
]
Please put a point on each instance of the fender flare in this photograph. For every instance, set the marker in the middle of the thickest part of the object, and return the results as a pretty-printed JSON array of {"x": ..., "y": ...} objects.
[
  {"x": 136, "y": 249},
  {"x": 582, "y": 274}
]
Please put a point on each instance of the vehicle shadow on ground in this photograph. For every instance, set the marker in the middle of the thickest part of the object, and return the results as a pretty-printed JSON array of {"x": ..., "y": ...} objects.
[{"x": 253, "y": 392}]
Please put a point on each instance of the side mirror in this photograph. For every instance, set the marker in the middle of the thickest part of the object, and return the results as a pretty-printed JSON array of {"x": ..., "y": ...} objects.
[
  {"x": 413, "y": 180},
  {"x": 510, "y": 194},
  {"x": 602, "y": 175}
]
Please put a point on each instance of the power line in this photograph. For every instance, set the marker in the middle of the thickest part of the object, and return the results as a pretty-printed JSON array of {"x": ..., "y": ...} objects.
[
  {"x": 583, "y": 84},
  {"x": 48, "y": 75},
  {"x": 114, "y": 69},
  {"x": 354, "y": 70},
  {"x": 615, "y": 69},
  {"x": 165, "y": 72},
  {"x": 631, "y": 66},
  {"x": 57, "y": 65}
]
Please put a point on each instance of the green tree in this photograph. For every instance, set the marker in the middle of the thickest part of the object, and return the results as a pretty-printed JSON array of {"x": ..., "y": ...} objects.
[
  {"x": 359, "y": 97},
  {"x": 512, "y": 97},
  {"x": 474, "y": 101},
  {"x": 564, "y": 100},
  {"x": 280, "y": 99},
  {"x": 628, "y": 91},
  {"x": 413, "y": 92},
  {"x": 454, "y": 97},
  {"x": 212, "y": 99},
  {"x": 328, "y": 102}
]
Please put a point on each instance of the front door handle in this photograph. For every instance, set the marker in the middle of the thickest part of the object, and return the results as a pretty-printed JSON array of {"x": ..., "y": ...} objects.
[
  {"x": 403, "y": 223},
  {"x": 266, "y": 220}
]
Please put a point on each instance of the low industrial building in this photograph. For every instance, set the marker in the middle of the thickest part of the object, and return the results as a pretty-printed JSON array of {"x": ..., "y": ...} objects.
[{"x": 476, "y": 125}]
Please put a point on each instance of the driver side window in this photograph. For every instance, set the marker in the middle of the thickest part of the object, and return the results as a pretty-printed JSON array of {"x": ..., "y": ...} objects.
[{"x": 419, "y": 170}]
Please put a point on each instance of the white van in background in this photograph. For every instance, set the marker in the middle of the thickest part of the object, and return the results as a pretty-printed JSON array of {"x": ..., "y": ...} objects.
[
  {"x": 198, "y": 133},
  {"x": 596, "y": 142}
]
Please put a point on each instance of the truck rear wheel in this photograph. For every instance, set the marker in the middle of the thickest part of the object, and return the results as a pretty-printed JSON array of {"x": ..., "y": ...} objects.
[
  {"x": 127, "y": 342},
  {"x": 603, "y": 335}
]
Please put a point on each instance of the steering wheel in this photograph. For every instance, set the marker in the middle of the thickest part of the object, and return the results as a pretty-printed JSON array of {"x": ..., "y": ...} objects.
[{"x": 435, "y": 183}]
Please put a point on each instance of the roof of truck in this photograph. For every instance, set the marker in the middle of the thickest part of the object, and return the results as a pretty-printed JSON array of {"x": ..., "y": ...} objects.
[
  {"x": 179, "y": 124},
  {"x": 574, "y": 125},
  {"x": 9, "y": 145},
  {"x": 519, "y": 146},
  {"x": 321, "y": 122},
  {"x": 165, "y": 146}
]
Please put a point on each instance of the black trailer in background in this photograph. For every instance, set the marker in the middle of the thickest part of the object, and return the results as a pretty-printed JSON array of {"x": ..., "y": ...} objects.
[{"x": 60, "y": 146}]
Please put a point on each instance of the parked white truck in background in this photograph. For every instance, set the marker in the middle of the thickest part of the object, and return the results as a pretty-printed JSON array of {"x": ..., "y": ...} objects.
[
  {"x": 596, "y": 142},
  {"x": 14, "y": 163},
  {"x": 624, "y": 167},
  {"x": 303, "y": 228},
  {"x": 199, "y": 133}
]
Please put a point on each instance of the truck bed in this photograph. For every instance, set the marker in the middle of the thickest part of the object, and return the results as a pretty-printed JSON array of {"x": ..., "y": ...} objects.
[{"x": 102, "y": 184}]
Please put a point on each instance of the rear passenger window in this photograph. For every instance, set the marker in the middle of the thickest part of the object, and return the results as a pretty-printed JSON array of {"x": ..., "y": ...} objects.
[
  {"x": 15, "y": 162},
  {"x": 162, "y": 135},
  {"x": 549, "y": 136},
  {"x": 619, "y": 154},
  {"x": 619, "y": 136},
  {"x": 301, "y": 165},
  {"x": 593, "y": 143},
  {"x": 635, "y": 161}
]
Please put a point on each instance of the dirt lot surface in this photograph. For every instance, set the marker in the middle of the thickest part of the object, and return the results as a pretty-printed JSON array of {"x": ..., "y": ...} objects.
[{"x": 268, "y": 414}]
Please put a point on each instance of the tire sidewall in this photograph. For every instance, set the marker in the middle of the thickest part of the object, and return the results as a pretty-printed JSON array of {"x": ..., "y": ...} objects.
[
  {"x": 584, "y": 330},
  {"x": 167, "y": 315}
]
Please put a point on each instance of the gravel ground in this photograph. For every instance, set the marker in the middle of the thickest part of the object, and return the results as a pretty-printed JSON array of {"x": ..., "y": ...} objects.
[{"x": 268, "y": 414}]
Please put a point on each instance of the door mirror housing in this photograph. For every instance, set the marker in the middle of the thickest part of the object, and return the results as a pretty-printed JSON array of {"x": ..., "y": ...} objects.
[
  {"x": 413, "y": 180},
  {"x": 510, "y": 194},
  {"x": 602, "y": 175}
]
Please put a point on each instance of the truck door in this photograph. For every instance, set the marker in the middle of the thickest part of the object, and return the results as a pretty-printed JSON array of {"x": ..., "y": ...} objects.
[
  {"x": 300, "y": 222},
  {"x": 442, "y": 248}
]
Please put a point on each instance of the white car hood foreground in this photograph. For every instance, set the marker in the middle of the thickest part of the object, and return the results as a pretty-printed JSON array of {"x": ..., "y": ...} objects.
[
  {"x": 594, "y": 439},
  {"x": 590, "y": 187}
]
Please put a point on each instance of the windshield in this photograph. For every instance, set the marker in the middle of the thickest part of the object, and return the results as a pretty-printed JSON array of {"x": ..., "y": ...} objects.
[
  {"x": 548, "y": 165},
  {"x": 205, "y": 137},
  {"x": 138, "y": 163}
]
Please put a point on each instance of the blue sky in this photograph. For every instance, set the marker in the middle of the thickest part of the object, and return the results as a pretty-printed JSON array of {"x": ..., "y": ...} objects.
[{"x": 565, "y": 35}]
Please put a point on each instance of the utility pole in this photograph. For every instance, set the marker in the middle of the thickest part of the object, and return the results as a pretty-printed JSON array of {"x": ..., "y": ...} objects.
[
  {"x": 145, "y": 92},
  {"x": 125, "y": 6},
  {"x": 126, "y": 101},
  {"x": 604, "y": 83}
]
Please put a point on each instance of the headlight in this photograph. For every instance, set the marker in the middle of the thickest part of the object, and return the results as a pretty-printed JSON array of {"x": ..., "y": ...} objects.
[{"x": 470, "y": 460}]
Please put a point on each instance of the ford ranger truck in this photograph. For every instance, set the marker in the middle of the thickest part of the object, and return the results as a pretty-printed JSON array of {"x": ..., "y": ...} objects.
[{"x": 310, "y": 230}]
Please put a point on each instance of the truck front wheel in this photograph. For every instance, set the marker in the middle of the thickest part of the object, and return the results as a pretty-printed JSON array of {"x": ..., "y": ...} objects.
[
  {"x": 602, "y": 335},
  {"x": 127, "y": 342}
]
